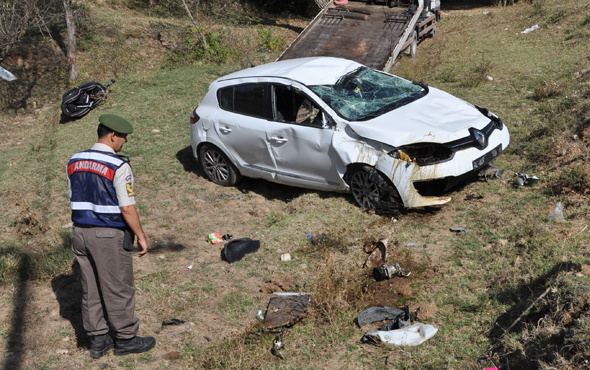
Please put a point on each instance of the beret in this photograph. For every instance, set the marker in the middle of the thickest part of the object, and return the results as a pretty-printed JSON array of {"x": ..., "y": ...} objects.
[{"x": 116, "y": 123}]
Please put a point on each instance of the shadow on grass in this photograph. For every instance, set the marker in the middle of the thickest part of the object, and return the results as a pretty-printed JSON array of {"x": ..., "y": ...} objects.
[
  {"x": 529, "y": 307},
  {"x": 68, "y": 292},
  {"x": 15, "y": 346}
]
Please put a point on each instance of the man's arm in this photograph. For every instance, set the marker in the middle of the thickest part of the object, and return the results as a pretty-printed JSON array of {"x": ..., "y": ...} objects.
[{"x": 132, "y": 219}]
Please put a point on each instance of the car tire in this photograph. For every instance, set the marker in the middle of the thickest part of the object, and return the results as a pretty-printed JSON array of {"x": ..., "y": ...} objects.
[
  {"x": 217, "y": 167},
  {"x": 372, "y": 191}
]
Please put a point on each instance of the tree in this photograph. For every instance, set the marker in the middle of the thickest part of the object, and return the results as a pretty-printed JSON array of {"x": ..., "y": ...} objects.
[
  {"x": 196, "y": 25},
  {"x": 15, "y": 19},
  {"x": 71, "y": 53}
]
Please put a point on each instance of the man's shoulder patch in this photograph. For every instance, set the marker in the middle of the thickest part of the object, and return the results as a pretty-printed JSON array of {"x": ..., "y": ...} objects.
[{"x": 130, "y": 191}]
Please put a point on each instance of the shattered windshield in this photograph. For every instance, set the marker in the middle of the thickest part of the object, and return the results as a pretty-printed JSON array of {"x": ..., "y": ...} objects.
[{"x": 366, "y": 93}]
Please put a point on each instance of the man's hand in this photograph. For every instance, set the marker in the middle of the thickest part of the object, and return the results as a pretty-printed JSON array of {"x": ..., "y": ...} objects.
[{"x": 132, "y": 219}]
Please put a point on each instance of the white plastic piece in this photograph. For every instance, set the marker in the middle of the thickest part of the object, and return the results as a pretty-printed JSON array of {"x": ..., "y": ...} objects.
[{"x": 412, "y": 335}]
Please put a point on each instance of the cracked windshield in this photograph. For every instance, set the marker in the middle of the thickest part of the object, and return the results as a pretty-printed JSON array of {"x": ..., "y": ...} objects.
[{"x": 365, "y": 93}]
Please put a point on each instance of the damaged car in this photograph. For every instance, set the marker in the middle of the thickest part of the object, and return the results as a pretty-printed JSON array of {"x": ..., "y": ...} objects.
[{"x": 333, "y": 124}]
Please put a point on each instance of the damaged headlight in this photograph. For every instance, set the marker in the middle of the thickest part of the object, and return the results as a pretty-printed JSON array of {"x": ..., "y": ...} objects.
[{"x": 427, "y": 153}]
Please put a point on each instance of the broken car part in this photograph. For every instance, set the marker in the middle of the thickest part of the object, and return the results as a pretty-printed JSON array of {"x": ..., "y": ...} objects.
[
  {"x": 400, "y": 318},
  {"x": 384, "y": 272},
  {"x": 285, "y": 309}
]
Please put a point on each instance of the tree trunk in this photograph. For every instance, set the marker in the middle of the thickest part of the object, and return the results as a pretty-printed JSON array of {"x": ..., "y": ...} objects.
[{"x": 72, "y": 63}]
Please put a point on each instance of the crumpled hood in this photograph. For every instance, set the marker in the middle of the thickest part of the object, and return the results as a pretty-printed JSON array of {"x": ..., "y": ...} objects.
[{"x": 438, "y": 117}]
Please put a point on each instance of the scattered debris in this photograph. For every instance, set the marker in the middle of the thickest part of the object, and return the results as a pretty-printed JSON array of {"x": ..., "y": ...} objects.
[
  {"x": 190, "y": 267},
  {"x": 215, "y": 238},
  {"x": 491, "y": 172},
  {"x": 459, "y": 229},
  {"x": 172, "y": 322},
  {"x": 285, "y": 257},
  {"x": 531, "y": 29},
  {"x": 412, "y": 335},
  {"x": 285, "y": 309},
  {"x": 236, "y": 249},
  {"x": 399, "y": 318},
  {"x": 524, "y": 179},
  {"x": 557, "y": 213},
  {"x": 260, "y": 315},
  {"x": 234, "y": 197},
  {"x": 384, "y": 272},
  {"x": 378, "y": 254},
  {"x": 277, "y": 344}
]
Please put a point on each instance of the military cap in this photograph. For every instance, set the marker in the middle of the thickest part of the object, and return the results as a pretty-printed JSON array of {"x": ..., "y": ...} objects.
[{"x": 116, "y": 123}]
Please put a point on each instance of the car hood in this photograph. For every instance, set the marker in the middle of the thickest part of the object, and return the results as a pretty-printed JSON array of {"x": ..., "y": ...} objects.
[{"x": 438, "y": 117}]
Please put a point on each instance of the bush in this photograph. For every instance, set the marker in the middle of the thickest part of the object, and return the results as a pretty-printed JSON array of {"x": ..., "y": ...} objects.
[{"x": 192, "y": 49}]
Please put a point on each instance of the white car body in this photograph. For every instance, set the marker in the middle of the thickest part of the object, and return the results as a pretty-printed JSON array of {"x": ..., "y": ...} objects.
[{"x": 318, "y": 157}]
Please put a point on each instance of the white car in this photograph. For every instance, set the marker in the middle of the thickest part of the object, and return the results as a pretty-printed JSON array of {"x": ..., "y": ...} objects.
[{"x": 333, "y": 124}]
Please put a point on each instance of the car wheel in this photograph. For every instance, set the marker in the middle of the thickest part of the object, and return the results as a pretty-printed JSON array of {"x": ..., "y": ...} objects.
[
  {"x": 217, "y": 166},
  {"x": 372, "y": 191}
]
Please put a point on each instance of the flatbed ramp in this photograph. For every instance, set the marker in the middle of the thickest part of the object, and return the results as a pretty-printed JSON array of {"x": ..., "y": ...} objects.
[{"x": 365, "y": 33}]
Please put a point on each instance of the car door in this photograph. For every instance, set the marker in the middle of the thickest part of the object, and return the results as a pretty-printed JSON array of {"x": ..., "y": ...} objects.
[
  {"x": 245, "y": 111},
  {"x": 301, "y": 146}
]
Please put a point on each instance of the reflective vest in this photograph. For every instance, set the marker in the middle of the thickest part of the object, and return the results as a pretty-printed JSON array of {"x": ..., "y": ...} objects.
[{"x": 94, "y": 201}]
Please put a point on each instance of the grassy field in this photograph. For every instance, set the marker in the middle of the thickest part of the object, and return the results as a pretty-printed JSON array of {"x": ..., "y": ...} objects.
[{"x": 512, "y": 292}]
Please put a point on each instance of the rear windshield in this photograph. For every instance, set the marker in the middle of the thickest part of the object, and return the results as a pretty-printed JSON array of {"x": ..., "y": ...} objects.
[{"x": 366, "y": 93}]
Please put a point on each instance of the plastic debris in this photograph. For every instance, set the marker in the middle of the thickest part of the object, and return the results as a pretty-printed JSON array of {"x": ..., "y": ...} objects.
[
  {"x": 236, "y": 249},
  {"x": 5, "y": 74},
  {"x": 260, "y": 315},
  {"x": 190, "y": 267},
  {"x": 531, "y": 29},
  {"x": 557, "y": 213},
  {"x": 285, "y": 257},
  {"x": 459, "y": 229},
  {"x": 412, "y": 335},
  {"x": 215, "y": 238}
]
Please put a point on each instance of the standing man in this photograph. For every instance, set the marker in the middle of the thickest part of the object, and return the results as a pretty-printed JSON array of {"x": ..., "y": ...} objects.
[{"x": 100, "y": 187}]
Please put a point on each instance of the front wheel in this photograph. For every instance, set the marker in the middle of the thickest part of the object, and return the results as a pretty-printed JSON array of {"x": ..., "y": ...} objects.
[
  {"x": 217, "y": 166},
  {"x": 372, "y": 191}
]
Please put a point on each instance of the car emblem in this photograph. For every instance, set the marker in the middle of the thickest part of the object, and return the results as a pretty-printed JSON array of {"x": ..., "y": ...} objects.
[{"x": 479, "y": 137}]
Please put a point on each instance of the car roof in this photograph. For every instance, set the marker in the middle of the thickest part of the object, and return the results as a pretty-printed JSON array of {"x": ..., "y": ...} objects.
[{"x": 309, "y": 71}]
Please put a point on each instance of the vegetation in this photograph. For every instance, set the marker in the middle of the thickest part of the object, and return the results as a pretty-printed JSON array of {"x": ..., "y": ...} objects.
[{"x": 512, "y": 292}]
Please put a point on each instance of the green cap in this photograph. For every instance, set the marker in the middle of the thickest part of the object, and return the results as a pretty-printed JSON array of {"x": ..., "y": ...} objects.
[{"x": 116, "y": 123}]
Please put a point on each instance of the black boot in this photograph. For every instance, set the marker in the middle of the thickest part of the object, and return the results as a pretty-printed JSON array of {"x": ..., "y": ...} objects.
[
  {"x": 100, "y": 345},
  {"x": 134, "y": 345}
]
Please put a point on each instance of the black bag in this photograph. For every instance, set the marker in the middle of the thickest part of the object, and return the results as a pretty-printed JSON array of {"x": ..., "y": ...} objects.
[
  {"x": 78, "y": 101},
  {"x": 236, "y": 249}
]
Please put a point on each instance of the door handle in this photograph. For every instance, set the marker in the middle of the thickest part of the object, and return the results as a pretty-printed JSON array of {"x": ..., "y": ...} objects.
[
  {"x": 225, "y": 130},
  {"x": 279, "y": 140}
]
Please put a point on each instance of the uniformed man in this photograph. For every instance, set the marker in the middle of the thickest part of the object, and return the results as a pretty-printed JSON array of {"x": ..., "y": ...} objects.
[{"x": 100, "y": 187}]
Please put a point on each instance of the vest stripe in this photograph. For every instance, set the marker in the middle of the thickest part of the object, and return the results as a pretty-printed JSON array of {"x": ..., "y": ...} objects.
[
  {"x": 87, "y": 206},
  {"x": 98, "y": 157}
]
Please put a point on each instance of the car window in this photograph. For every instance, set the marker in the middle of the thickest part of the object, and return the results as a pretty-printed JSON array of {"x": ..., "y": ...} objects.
[
  {"x": 366, "y": 93},
  {"x": 291, "y": 106},
  {"x": 250, "y": 99}
]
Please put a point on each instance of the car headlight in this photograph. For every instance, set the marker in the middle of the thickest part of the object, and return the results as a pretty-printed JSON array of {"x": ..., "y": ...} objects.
[{"x": 427, "y": 153}]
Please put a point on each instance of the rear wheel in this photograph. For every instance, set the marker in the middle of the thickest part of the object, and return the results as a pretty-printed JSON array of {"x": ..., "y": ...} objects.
[
  {"x": 217, "y": 166},
  {"x": 372, "y": 191}
]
